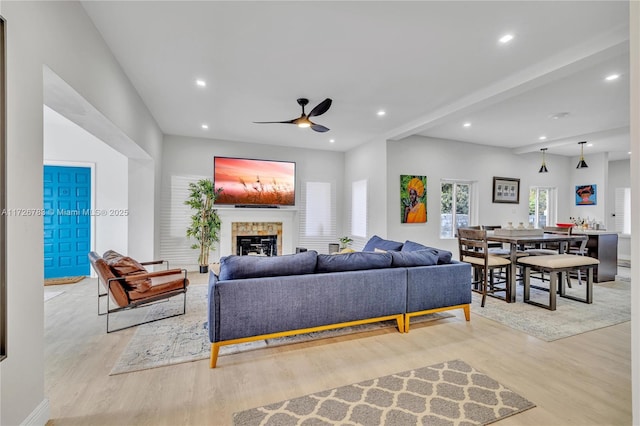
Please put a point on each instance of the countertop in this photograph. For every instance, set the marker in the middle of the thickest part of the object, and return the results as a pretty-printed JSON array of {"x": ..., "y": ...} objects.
[{"x": 592, "y": 232}]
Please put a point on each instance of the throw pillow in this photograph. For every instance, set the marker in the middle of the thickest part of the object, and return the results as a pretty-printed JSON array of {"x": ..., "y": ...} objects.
[
  {"x": 240, "y": 267},
  {"x": 444, "y": 256},
  {"x": 414, "y": 258},
  {"x": 352, "y": 261},
  {"x": 380, "y": 243}
]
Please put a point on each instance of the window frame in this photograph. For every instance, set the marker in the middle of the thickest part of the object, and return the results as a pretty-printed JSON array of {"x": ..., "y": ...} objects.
[
  {"x": 473, "y": 208},
  {"x": 552, "y": 205}
]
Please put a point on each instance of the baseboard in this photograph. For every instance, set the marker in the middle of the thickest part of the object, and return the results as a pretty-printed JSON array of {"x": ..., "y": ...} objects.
[{"x": 39, "y": 416}]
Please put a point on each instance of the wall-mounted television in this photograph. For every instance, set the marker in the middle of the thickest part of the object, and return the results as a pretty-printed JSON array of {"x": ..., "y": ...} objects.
[{"x": 251, "y": 182}]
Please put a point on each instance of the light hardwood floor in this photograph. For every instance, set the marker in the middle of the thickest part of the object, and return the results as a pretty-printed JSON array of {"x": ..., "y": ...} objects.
[{"x": 581, "y": 380}]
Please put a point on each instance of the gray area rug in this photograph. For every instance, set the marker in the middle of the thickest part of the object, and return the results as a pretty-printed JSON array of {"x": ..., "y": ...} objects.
[
  {"x": 185, "y": 338},
  {"x": 611, "y": 305},
  {"x": 450, "y": 393}
]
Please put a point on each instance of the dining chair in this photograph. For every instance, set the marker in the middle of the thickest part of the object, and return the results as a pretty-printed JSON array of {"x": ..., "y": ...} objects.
[
  {"x": 492, "y": 245},
  {"x": 473, "y": 249},
  {"x": 555, "y": 248}
]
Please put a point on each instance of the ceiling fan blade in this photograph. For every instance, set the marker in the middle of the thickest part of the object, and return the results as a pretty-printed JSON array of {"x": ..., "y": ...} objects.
[
  {"x": 321, "y": 108},
  {"x": 319, "y": 128},
  {"x": 274, "y": 122}
]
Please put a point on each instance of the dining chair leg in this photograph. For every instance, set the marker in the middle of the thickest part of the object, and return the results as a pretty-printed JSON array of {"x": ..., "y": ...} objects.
[
  {"x": 553, "y": 288},
  {"x": 485, "y": 283}
]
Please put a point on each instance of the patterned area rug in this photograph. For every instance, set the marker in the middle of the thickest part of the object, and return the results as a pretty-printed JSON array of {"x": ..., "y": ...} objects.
[
  {"x": 611, "y": 305},
  {"x": 450, "y": 393},
  {"x": 185, "y": 338}
]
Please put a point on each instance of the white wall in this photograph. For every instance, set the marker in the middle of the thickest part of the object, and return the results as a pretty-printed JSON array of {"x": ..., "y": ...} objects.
[
  {"x": 444, "y": 159},
  {"x": 65, "y": 142},
  {"x": 49, "y": 34},
  {"x": 597, "y": 173},
  {"x": 634, "y": 21},
  {"x": 184, "y": 156},
  {"x": 367, "y": 162}
]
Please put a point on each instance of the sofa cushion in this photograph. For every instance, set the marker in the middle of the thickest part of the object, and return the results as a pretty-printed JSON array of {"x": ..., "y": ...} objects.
[
  {"x": 352, "y": 261},
  {"x": 376, "y": 242},
  {"x": 414, "y": 258},
  {"x": 239, "y": 267},
  {"x": 444, "y": 256}
]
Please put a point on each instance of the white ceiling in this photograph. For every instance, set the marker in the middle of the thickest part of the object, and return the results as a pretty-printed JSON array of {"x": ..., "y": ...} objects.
[{"x": 431, "y": 65}]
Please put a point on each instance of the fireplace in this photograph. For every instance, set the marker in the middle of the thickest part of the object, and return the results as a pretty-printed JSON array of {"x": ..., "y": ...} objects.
[
  {"x": 257, "y": 245},
  {"x": 256, "y": 238}
]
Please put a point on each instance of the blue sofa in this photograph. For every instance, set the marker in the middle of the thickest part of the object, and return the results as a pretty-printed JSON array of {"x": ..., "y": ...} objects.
[{"x": 256, "y": 298}]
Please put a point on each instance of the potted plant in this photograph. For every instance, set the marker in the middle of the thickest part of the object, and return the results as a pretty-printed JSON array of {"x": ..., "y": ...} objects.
[
  {"x": 345, "y": 242},
  {"x": 205, "y": 222}
]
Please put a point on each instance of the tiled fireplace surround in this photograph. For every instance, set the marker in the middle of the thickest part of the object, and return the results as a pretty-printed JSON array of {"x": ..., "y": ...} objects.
[
  {"x": 242, "y": 229},
  {"x": 256, "y": 221}
]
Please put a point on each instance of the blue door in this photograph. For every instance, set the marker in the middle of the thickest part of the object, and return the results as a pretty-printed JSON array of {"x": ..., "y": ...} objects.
[{"x": 67, "y": 228}]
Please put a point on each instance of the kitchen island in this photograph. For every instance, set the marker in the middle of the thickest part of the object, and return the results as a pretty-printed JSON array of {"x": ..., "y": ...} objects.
[{"x": 602, "y": 245}]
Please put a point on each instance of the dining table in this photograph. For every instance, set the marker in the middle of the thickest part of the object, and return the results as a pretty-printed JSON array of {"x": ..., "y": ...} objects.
[{"x": 516, "y": 241}]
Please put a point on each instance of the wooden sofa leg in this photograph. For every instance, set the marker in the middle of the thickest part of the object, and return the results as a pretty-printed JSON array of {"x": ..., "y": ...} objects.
[
  {"x": 467, "y": 312},
  {"x": 215, "y": 347},
  {"x": 403, "y": 324}
]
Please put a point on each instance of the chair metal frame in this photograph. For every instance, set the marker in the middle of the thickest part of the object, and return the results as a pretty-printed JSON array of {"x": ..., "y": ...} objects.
[{"x": 150, "y": 301}]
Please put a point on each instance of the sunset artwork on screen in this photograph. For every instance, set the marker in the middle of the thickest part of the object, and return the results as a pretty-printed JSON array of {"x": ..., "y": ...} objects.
[{"x": 254, "y": 182}]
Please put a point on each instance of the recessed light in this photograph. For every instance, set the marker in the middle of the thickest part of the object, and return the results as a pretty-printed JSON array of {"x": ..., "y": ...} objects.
[
  {"x": 589, "y": 144},
  {"x": 506, "y": 38},
  {"x": 205, "y": 126},
  {"x": 467, "y": 125},
  {"x": 332, "y": 140},
  {"x": 558, "y": 115},
  {"x": 381, "y": 113},
  {"x": 629, "y": 152},
  {"x": 201, "y": 83},
  {"x": 542, "y": 138},
  {"x": 612, "y": 77}
]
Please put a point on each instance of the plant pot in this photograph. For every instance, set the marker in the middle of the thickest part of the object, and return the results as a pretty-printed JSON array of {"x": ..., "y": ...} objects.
[{"x": 204, "y": 269}]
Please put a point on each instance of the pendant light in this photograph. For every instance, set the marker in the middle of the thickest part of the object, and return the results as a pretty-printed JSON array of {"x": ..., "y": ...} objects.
[
  {"x": 543, "y": 168},
  {"x": 582, "y": 164}
]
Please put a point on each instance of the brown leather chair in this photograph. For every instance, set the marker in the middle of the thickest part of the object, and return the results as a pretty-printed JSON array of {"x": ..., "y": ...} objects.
[{"x": 129, "y": 285}]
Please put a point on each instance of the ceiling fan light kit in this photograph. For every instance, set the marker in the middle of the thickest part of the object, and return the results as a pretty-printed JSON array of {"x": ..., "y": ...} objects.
[
  {"x": 303, "y": 121},
  {"x": 582, "y": 164}
]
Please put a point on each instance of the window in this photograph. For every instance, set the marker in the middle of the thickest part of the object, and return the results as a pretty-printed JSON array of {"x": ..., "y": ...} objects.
[
  {"x": 175, "y": 217},
  {"x": 318, "y": 219},
  {"x": 359, "y": 208},
  {"x": 455, "y": 207},
  {"x": 542, "y": 206},
  {"x": 623, "y": 210}
]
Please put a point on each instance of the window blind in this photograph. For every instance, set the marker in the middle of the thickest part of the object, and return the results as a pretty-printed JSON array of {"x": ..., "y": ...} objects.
[
  {"x": 359, "y": 217},
  {"x": 623, "y": 210},
  {"x": 318, "y": 216},
  {"x": 175, "y": 217}
]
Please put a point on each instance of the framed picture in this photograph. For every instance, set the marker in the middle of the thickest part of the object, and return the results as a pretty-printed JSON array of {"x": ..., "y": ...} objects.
[
  {"x": 506, "y": 190},
  {"x": 586, "y": 195},
  {"x": 413, "y": 199}
]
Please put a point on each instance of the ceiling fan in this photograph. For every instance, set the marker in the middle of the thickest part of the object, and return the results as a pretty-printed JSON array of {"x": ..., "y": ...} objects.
[{"x": 303, "y": 120}]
